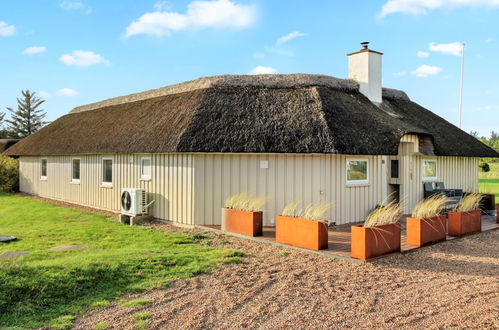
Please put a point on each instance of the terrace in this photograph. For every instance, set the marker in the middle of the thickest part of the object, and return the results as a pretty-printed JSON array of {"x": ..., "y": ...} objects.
[{"x": 339, "y": 239}]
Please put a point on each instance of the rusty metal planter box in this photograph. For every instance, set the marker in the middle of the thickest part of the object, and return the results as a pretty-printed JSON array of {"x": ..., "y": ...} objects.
[
  {"x": 308, "y": 234},
  {"x": 370, "y": 242},
  {"x": 462, "y": 223},
  {"x": 424, "y": 231},
  {"x": 242, "y": 222}
]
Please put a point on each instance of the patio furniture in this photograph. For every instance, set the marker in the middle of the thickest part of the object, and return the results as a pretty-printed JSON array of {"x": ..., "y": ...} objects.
[
  {"x": 428, "y": 190},
  {"x": 454, "y": 195},
  {"x": 440, "y": 187}
]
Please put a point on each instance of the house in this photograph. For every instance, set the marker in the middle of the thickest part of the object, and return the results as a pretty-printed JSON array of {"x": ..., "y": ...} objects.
[
  {"x": 296, "y": 137},
  {"x": 7, "y": 143}
]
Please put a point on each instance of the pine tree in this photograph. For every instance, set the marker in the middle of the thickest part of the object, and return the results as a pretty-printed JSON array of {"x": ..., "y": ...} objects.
[
  {"x": 3, "y": 132},
  {"x": 28, "y": 118}
]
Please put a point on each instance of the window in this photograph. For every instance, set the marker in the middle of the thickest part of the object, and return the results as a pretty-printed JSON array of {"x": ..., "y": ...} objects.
[
  {"x": 394, "y": 168},
  {"x": 357, "y": 171},
  {"x": 145, "y": 168},
  {"x": 429, "y": 169},
  {"x": 107, "y": 172},
  {"x": 75, "y": 170},
  {"x": 43, "y": 169}
]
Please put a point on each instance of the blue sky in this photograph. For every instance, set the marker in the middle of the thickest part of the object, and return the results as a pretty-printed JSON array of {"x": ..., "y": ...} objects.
[{"x": 78, "y": 52}]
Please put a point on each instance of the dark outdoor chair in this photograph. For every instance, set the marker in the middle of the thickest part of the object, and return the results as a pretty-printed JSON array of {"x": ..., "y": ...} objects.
[
  {"x": 428, "y": 189},
  {"x": 440, "y": 188}
]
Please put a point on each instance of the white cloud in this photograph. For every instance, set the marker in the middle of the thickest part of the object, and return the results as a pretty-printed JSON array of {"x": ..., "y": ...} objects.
[
  {"x": 421, "y": 7},
  {"x": 75, "y": 5},
  {"x": 162, "y": 5},
  {"x": 83, "y": 58},
  {"x": 423, "y": 54},
  {"x": 426, "y": 70},
  {"x": 44, "y": 94},
  {"x": 6, "y": 29},
  {"x": 399, "y": 74},
  {"x": 289, "y": 36},
  {"x": 453, "y": 48},
  {"x": 263, "y": 70},
  {"x": 67, "y": 92},
  {"x": 258, "y": 55},
  {"x": 199, "y": 15},
  {"x": 34, "y": 50},
  {"x": 489, "y": 40}
]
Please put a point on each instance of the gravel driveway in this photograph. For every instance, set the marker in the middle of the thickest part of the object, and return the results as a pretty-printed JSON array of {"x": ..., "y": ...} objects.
[{"x": 452, "y": 284}]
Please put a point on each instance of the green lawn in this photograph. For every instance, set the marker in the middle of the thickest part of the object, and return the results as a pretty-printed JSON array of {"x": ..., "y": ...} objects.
[
  {"x": 52, "y": 287},
  {"x": 489, "y": 181}
]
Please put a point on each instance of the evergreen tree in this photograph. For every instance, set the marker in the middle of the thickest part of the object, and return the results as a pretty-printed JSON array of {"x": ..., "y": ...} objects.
[
  {"x": 28, "y": 118},
  {"x": 3, "y": 132}
]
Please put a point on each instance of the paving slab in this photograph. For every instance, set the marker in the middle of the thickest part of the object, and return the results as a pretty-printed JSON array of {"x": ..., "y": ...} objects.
[
  {"x": 68, "y": 247},
  {"x": 12, "y": 254}
]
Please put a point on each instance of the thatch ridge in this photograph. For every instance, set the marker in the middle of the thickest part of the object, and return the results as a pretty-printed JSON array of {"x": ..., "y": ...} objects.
[
  {"x": 297, "y": 80},
  {"x": 390, "y": 93}
]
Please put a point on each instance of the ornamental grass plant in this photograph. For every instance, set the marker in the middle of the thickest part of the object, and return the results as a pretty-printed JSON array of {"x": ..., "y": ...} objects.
[
  {"x": 430, "y": 207},
  {"x": 245, "y": 202},
  {"x": 315, "y": 212}
]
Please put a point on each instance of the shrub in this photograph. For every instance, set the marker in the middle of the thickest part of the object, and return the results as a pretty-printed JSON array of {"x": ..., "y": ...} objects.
[
  {"x": 484, "y": 167},
  {"x": 430, "y": 207},
  {"x": 245, "y": 202},
  {"x": 9, "y": 174}
]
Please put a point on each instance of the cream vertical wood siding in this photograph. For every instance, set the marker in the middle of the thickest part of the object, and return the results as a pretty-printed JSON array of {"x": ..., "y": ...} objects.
[
  {"x": 455, "y": 172},
  {"x": 170, "y": 186},
  {"x": 304, "y": 179},
  {"x": 190, "y": 189}
]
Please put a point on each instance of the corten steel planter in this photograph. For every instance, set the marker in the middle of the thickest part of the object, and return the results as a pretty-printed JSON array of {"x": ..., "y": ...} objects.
[
  {"x": 308, "y": 234},
  {"x": 424, "y": 231},
  {"x": 242, "y": 222},
  {"x": 370, "y": 242},
  {"x": 462, "y": 223}
]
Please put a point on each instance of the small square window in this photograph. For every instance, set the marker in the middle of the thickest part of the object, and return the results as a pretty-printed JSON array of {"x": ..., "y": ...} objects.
[
  {"x": 75, "y": 170},
  {"x": 43, "y": 169},
  {"x": 357, "y": 171},
  {"x": 107, "y": 171},
  {"x": 430, "y": 169},
  {"x": 145, "y": 168}
]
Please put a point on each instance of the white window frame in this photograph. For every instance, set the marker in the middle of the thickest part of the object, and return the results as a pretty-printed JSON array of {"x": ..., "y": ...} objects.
[
  {"x": 44, "y": 177},
  {"x": 103, "y": 168},
  {"x": 357, "y": 182},
  {"x": 73, "y": 180},
  {"x": 141, "y": 168},
  {"x": 429, "y": 178}
]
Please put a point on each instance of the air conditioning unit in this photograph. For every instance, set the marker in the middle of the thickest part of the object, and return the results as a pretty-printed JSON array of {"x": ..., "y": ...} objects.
[{"x": 133, "y": 201}]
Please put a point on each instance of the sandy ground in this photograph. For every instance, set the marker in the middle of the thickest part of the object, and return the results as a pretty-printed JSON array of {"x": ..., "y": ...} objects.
[{"x": 452, "y": 284}]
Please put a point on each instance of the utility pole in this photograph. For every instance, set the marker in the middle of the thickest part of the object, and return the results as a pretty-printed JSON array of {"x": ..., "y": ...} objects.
[{"x": 460, "y": 113}]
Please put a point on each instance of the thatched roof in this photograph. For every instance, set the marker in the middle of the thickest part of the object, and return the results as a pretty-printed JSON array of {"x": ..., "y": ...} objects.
[
  {"x": 250, "y": 114},
  {"x": 7, "y": 143}
]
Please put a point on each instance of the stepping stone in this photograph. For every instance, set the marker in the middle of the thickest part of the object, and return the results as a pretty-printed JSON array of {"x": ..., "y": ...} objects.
[
  {"x": 12, "y": 254},
  {"x": 7, "y": 239},
  {"x": 67, "y": 247}
]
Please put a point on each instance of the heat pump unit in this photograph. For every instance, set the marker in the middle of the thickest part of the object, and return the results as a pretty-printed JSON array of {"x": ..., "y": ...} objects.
[{"x": 133, "y": 201}]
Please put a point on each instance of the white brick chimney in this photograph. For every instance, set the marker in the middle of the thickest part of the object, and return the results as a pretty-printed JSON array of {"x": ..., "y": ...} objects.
[{"x": 364, "y": 67}]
